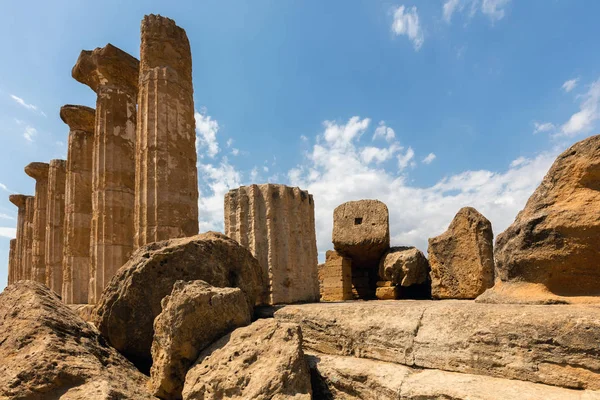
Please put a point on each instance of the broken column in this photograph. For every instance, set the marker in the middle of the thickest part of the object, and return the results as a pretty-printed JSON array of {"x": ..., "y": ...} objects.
[
  {"x": 54, "y": 224},
  {"x": 335, "y": 277},
  {"x": 277, "y": 224},
  {"x": 11, "y": 261},
  {"x": 39, "y": 172},
  {"x": 166, "y": 193},
  {"x": 19, "y": 265},
  {"x": 113, "y": 75},
  {"x": 78, "y": 203},
  {"x": 28, "y": 238}
]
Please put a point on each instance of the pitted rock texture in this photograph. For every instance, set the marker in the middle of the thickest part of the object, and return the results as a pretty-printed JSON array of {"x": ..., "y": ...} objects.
[
  {"x": 262, "y": 361},
  {"x": 39, "y": 172},
  {"x": 335, "y": 277},
  {"x": 404, "y": 266},
  {"x": 555, "y": 239},
  {"x": 554, "y": 345},
  {"x": 48, "y": 352},
  {"x": 462, "y": 258},
  {"x": 20, "y": 201},
  {"x": 12, "y": 250},
  {"x": 55, "y": 217},
  {"x": 193, "y": 316},
  {"x": 132, "y": 300},
  {"x": 28, "y": 236},
  {"x": 277, "y": 224}
]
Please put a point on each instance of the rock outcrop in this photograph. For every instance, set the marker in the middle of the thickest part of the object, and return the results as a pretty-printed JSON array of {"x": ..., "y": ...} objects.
[
  {"x": 553, "y": 345},
  {"x": 55, "y": 217},
  {"x": 132, "y": 300},
  {"x": 39, "y": 172},
  {"x": 261, "y": 361},
  {"x": 335, "y": 277},
  {"x": 48, "y": 352},
  {"x": 462, "y": 258},
  {"x": 193, "y": 316},
  {"x": 555, "y": 239},
  {"x": 277, "y": 224}
]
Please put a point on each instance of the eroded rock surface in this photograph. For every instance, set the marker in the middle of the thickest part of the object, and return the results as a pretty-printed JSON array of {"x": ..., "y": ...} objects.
[
  {"x": 261, "y": 361},
  {"x": 404, "y": 266},
  {"x": 132, "y": 300},
  {"x": 193, "y": 316},
  {"x": 48, "y": 352},
  {"x": 335, "y": 277}
]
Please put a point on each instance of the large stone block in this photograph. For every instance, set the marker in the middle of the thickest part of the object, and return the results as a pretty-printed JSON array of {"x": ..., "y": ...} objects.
[
  {"x": 335, "y": 277},
  {"x": 404, "y": 266},
  {"x": 277, "y": 224},
  {"x": 55, "y": 217}
]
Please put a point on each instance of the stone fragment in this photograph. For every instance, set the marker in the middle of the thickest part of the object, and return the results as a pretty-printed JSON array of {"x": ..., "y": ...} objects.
[
  {"x": 55, "y": 217},
  {"x": 193, "y": 316},
  {"x": 387, "y": 292},
  {"x": 166, "y": 196},
  {"x": 113, "y": 75},
  {"x": 335, "y": 277},
  {"x": 462, "y": 259},
  {"x": 131, "y": 302},
  {"x": 553, "y": 345},
  {"x": 28, "y": 242},
  {"x": 555, "y": 239},
  {"x": 404, "y": 266},
  {"x": 39, "y": 172},
  {"x": 277, "y": 224},
  {"x": 19, "y": 265},
  {"x": 48, "y": 352},
  {"x": 261, "y": 361},
  {"x": 78, "y": 203},
  {"x": 12, "y": 261}
]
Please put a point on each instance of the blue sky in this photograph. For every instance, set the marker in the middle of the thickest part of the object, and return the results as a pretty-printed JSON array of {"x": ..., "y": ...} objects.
[{"x": 427, "y": 106}]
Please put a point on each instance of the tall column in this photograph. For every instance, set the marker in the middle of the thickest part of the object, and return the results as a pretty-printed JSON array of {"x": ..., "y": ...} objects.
[
  {"x": 55, "y": 212},
  {"x": 78, "y": 203},
  {"x": 166, "y": 203},
  {"x": 11, "y": 261},
  {"x": 113, "y": 75},
  {"x": 28, "y": 238},
  {"x": 19, "y": 200},
  {"x": 39, "y": 172}
]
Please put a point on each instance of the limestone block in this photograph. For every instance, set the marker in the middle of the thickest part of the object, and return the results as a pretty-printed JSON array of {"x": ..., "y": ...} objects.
[
  {"x": 462, "y": 259},
  {"x": 78, "y": 203},
  {"x": 12, "y": 249},
  {"x": 55, "y": 217},
  {"x": 166, "y": 196},
  {"x": 404, "y": 266},
  {"x": 335, "y": 277},
  {"x": 19, "y": 264},
  {"x": 39, "y": 172},
  {"x": 388, "y": 291},
  {"x": 277, "y": 224}
]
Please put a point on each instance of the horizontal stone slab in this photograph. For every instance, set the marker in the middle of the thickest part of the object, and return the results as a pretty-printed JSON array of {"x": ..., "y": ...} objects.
[{"x": 552, "y": 344}]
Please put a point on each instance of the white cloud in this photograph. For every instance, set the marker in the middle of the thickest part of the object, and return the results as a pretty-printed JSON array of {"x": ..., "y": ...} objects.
[
  {"x": 206, "y": 134},
  {"x": 235, "y": 151},
  {"x": 494, "y": 9},
  {"x": 253, "y": 175},
  {"x": 6, "y": 216},
  {"x": 384, "y": 132},
  {"x": 303, "y": 138},
  {"x": 216, "y": 180},
  {"x": 570, "y": 84},
  {"x": 429, "y": 159},
  {"x": 23, "y": 103},
  {"x": 30, "y": 133},
  {"x": 378, "y": 155},
  {"x": 10, "y": 233},
  {"x": 6, "y": 189},
  {"x": 589, "y": 112},
  {"x": 404, "y": 160},
  {"x": 449, "y": 8},
  {"x": 406, "y": 22},
  {"x": 266, "y": 169},
  {"x": 543, "y": 127}
]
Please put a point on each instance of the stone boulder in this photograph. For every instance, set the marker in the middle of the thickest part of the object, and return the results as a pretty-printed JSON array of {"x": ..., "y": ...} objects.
[
  {"x": 404, "y": 266},
  {"x": 193, "y": 316},
  {"x": 555, "y": 239},
  {"x": 132, "y": 300},
  {"x": 48, "y": 352},
  {"x": 462, "y": 259},
  {"x": 261, "y": 361}
]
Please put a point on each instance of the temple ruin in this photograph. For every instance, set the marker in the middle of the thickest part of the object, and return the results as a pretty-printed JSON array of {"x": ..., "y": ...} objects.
[
  {"x": 55, "y": 216},
  {"x": 17, "y": 271},
  {"x": 39, "y": 172}
]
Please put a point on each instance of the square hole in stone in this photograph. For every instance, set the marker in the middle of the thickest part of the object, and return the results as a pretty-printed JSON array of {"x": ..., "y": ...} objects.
[{"x": 357, "y": 221}]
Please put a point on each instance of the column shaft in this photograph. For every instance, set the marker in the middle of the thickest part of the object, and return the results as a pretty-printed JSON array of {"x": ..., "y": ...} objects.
[{"x": 55, "y": 212}]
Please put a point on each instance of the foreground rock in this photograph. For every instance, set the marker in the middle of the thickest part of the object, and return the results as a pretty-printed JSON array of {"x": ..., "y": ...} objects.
[
  {"x": 262, "y": 361},
  {"x": 337, "y": 377},
  {"x": 192, "y": 317},
  {"x": 462, "y": 259},
  {"x": 404, "y": 266},
  {"x": 555, "y": 239},
  {"x": 48, "y": 352},
  {"x": 132, "y": 300},
  {"x": 529, "y": 293},
  {"x": 555, "y": 345}
]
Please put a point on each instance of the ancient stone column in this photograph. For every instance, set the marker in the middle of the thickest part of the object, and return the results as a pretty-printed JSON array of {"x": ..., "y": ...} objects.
[
  {"x": 28, "y": 238},
  {"x": 78, "y": 203},
  {"x": 39, "y": 172},
  {"x": 277, "y": 224},
  {"x": 11, "y": 261},
  {"x": 166, "y": 174},
  {"x": 113, "y": 75},
  {"x": 55, "y": 212},
  {"x": 19, "y": 200}
]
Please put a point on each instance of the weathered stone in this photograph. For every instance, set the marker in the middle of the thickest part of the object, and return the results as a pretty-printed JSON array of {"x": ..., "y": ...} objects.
[
  {"x": 554, "y": 345},
  {"x": 12, "y": 261},
  {"x": 261, "y": 361},
  {"x": 19, "y": 265},
  {"x": 387, "y": 292},
  {"x": 555, "y": 239},
  {"x": 85, "y": 311},
  {"x": 28, "y": 242},
  {"x": 166, "y": 196},
  {"x": 193, "y": 316},
  {"x": 335, "y": 277},
  {"x": 337, "y": 377},
  {"x": 529, "y": 293},
  {"x": 48, "y": 352},
  {"x": 39, "y": 172},
  {"x": 113, "y": 75},
  {"x": 55, "y": 217},
  {"x": 404, "y": 266},
  {"x": 131, "y": 301},
  {"x": 462, "y": 258},
  {"x": 78, "y": 203},
  {"x": 277, "y": 224}
]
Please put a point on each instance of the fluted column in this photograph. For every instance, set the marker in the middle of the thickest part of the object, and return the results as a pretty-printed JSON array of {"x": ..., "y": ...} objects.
[
  {"x": 166, "y": 173},
  {"x": 19, "y": 200},
  {"x": 11, "y": 261},
  {"x": 39, "y": 172},
  {"x": 78, "y": 203},
  {"x": 113, "y": 75},
  {"x": 28, "y": 238},
  {"x": 55, "y": 212}
]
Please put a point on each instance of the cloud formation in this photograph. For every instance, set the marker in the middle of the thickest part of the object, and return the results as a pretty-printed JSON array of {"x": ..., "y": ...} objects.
[
  {"x": 570, "y": 84},
  {"x": 28, "y": 106},
  {"x": 589, "y": 111},
  {"x": 495, "y": 10},
  {"x": 406, "y": 22},
  {"x": 9, "y": 233},
  {"x": 206, "y": 134},
  {"x": 30, "y": 133}
]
